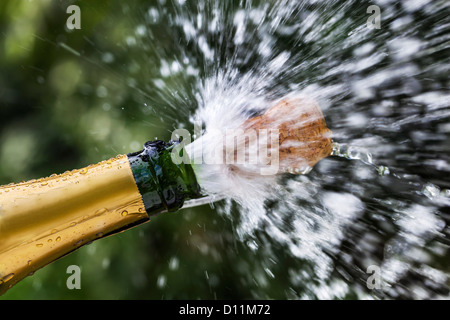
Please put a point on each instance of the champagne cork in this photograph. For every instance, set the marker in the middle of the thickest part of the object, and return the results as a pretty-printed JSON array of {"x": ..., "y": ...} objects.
[{"x": 304, "y": 138}]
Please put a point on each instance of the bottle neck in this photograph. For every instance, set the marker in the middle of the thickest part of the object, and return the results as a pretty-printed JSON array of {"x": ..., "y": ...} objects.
[
  {"x": 43, "y": 220},
  {"x": 163, "y": 184}
]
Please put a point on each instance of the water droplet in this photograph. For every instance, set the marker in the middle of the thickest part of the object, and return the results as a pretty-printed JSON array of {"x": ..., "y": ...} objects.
[
  {"x": 383, "y": 171},
  {"x": 431, "y": 191},
  {"x": 101, "y": 211},
  {"x": 445, "y": 193},
  {"x": 161, "y": 282},
  {"x": 49, "y": 240},
  {"x": 253, "y": 245},
  {"x": 124, "y": 213},
  {"x": 8, "y": 277},
  {"x": 29, "y": 262},
  {"x": 83, "y": 171},
  {"x": 269, "y": 272},
  {"x": 58, "y": 239},
  {"x": 174, "y": 263},
  {"x": 39, "y": 245}
]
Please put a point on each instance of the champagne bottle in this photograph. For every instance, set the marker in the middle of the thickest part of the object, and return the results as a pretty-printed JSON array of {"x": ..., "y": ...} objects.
[{"x": 45, "y": 219}]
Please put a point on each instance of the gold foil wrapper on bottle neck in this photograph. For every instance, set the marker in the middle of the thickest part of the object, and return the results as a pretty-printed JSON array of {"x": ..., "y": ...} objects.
[{"x": 43, "y": 220}]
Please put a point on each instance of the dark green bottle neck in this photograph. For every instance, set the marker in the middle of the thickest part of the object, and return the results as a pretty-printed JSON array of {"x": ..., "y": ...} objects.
[{"x": 163, "y": 184}]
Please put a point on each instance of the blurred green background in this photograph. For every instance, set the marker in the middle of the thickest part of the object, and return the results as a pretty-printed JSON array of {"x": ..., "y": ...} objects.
[{"x": 69, "y": 98}]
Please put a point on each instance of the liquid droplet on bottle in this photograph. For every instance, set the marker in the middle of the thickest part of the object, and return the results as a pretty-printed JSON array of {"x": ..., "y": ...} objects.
[
  {"x": 101, "y": 211},
  {"x": 58, "y": 239},
  {"x": 39, "y": 245},
  {"x": 124, "y": 213},
  {"x": 8, "y": 277}
]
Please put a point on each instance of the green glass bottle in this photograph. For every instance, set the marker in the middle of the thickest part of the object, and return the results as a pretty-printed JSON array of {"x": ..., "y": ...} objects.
[{"x": 163, "y": 184}]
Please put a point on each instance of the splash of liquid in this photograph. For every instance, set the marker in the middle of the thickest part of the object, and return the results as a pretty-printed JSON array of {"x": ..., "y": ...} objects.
[
  {"x": 342, "y": 217},
  {"x": 381, "y": 198}
]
